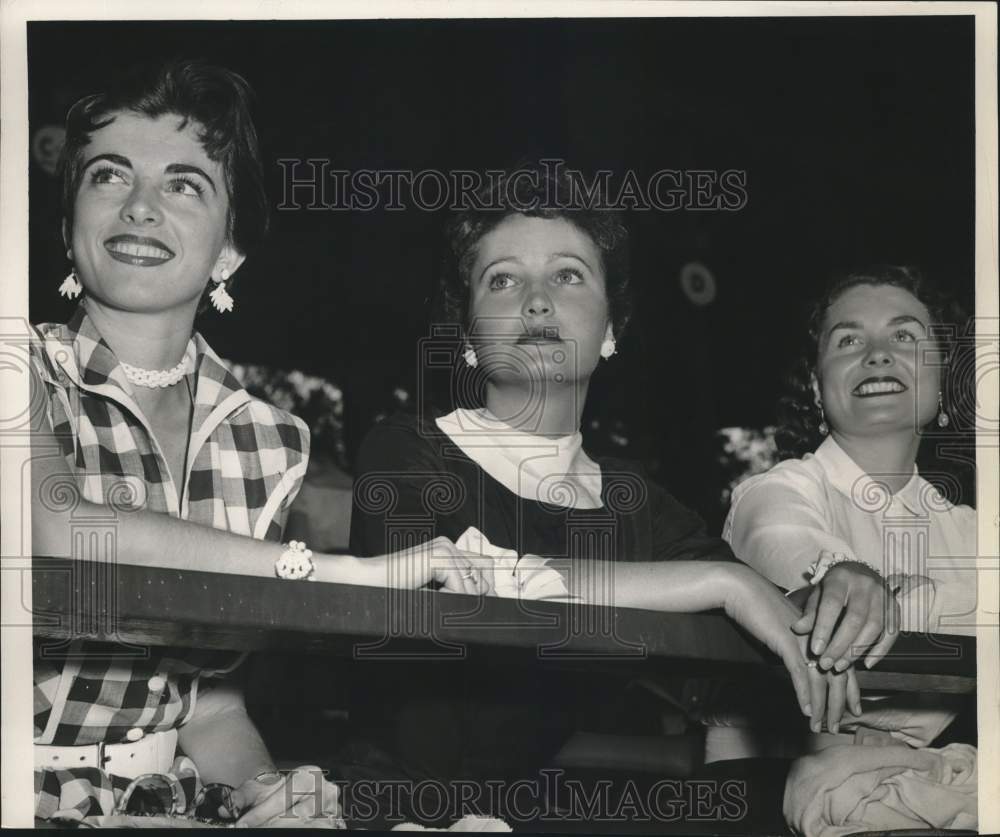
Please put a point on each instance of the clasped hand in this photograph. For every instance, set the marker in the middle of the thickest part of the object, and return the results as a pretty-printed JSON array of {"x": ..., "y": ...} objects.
[
  {"x": 440, "y": 561},
  {"x": 300, "y": 798},
  {"x": 851, "y": 612}
]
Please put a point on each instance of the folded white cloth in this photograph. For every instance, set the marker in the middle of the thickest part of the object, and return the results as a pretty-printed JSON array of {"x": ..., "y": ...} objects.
[
  {"x": 139, "y": 821},
  {"x": 843, "y": 790},
  {"x": 470, "y": 822},
  {"x": 747, "y": 727},
  {"x": 524, "y": 577}
]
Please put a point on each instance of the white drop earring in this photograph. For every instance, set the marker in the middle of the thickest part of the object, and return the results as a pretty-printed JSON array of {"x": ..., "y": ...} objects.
[
  {"x": 470, "y": 356},
  {"x": 608, "y": 347},
  {"x": 220, "y": 296},
  {"x": 942, "y": 419},
  {"x": 71, "y": 287}
]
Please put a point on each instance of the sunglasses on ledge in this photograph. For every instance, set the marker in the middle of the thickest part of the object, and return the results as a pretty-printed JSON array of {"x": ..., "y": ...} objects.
[{"x": 155, "y": 794}]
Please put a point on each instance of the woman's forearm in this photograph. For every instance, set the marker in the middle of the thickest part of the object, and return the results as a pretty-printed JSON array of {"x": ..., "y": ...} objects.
[
  {"x": 689, "y": 586},
  {"x": 139, "y": 537},
  {"x": 150, "y": 539},
  {"x": 677, "y": 586},
  {"x": 222, "y": 740}
]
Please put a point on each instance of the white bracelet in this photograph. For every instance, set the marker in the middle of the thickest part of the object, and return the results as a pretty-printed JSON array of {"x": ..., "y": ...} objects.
[
  {"x": 295, "y": 563},
  {"x": 819, "y": 568}
]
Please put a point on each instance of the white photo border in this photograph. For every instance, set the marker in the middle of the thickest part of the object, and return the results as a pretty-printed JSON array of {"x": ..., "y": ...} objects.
[{"x": 16, "y": 790}]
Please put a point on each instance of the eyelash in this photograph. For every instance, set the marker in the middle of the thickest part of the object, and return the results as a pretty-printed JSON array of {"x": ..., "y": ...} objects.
[
  {"x": 98, "y": 174},
  {"x": 101, "y": 176},
  {"x": 194, "y": 184},
  {"x": 576, "y": 274}
]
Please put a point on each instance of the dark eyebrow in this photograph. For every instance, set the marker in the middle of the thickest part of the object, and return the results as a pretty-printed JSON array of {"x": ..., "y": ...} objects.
[
  {"x": 906, "y": 318},
  {"x": 573, "y": 256},
  {"x": 515, "y": 259},
  {"x": 117, "y": 159},
  {"x": 173, "y": 168},
  {"x": 182, "y": 168},
  {"x": 844, "y": 324}
]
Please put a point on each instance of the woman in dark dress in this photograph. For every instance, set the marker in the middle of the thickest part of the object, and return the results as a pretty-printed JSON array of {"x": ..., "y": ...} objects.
[{"x": 539, "y": 296}]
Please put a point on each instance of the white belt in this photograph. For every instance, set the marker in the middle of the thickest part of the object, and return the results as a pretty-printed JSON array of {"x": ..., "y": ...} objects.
[{"x": 153, "y": 753}]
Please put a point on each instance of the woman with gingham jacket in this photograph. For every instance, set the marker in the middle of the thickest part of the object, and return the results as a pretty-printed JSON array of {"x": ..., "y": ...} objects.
[{"x": 163, "y": 198}]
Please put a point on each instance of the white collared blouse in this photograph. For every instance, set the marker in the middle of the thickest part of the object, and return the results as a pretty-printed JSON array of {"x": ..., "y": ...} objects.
[{"x": 780, "y": 521}]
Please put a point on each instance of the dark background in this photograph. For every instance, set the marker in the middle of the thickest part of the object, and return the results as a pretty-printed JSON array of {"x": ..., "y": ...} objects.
[{"x": 856, "y": 135}]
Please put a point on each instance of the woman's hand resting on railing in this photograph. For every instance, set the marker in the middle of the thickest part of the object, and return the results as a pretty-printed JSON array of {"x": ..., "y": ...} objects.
[
  {"x": 300, "y": 798},
  {"x": 755, "y": 604},
  {"x": 758, "y": 606},
  {"x": 692, "y": 586},
  {"x": 437, "y": 560},
  {"x": 831, "y": 693},
  {"x": 678, "y": 586},
  {"x": 851, "y": 613}
]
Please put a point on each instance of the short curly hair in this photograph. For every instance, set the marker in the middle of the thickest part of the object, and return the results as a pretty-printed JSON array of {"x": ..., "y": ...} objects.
[
  {"x": 798, "y": 416},
  {"x": 527, "y": 190},
  {"x": 215, "y": 99}
]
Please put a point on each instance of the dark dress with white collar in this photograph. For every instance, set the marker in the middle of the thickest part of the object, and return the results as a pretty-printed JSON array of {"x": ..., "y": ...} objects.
[{"x": 448, "y": 720}]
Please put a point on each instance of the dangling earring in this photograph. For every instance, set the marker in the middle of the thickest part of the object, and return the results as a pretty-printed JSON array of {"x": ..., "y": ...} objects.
[
  {"x": 942, "y": 419},
  {"x": 71, "y": 287},
  {"x": 220, "y": 296},
  {"x": 608, "y": 347},
  {"x": 823, "y": 429},
  {"x": 470, "y": 356}
]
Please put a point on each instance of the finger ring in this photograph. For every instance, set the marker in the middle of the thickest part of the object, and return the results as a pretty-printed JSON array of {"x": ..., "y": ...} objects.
[{"x": 812, "y": 664}]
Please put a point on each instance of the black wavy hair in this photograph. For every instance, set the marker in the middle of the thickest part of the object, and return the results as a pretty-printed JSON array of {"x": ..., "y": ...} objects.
[
  {"x": 215, "y": 99},
  {"x": 535, "y": 191},
  {"x": 799, "y": 417}
]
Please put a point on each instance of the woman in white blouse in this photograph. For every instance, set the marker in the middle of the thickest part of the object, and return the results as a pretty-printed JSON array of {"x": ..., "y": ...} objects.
[{"x": 882, "y": 549}]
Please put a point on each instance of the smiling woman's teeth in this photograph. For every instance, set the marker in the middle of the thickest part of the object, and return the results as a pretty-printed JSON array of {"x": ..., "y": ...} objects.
[
  {"x": 880, "y": 387},
  {"x": 140, "y": 250}
]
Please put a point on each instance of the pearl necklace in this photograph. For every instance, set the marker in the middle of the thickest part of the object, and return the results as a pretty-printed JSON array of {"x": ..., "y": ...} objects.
[{"x": 157, "y": 377}]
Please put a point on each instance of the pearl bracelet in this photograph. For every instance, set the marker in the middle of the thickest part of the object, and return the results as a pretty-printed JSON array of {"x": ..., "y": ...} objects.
[
  {"x": 819, "y": 568},
  {"x": 295, "y": 563}
]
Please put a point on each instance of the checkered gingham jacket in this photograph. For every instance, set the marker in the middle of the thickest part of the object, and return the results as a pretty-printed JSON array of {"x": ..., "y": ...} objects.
[{"x": 246, "y": 462}]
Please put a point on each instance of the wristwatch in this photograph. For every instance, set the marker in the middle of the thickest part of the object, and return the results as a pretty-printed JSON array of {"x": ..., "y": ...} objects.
[{"x": 295, "y": 563}]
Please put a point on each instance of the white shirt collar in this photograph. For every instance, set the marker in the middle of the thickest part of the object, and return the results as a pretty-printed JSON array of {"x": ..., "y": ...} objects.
[
  {"x": 555, "y": 471},
  {"x": 869, "y": 492}
]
